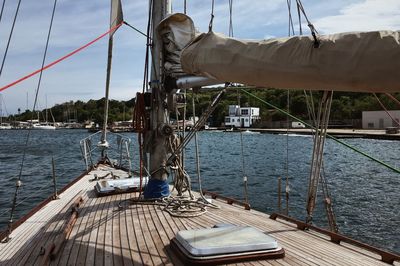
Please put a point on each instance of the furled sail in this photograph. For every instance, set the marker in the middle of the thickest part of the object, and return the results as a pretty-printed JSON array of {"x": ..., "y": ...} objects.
[
  {"x": 355, "y": 61},
  {"x": 176, "y": 32}
]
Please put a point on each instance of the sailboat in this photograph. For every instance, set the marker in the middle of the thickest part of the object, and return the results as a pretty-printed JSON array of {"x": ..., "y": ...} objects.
[
  {"x": 157, "y": 226},
  {"x": 44, "y": 125},
  {"x": 3, "y": 125}
]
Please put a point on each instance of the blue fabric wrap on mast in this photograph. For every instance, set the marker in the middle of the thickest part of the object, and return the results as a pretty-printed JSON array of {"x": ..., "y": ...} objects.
[{"x": 156, "y": 189}]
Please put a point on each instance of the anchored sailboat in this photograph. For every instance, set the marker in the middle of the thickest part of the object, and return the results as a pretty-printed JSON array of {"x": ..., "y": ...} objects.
[{"x": 3, "y": 125}]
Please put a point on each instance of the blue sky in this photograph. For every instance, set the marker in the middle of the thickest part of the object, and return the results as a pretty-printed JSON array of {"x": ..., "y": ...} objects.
[{"x": 82, "y": 77}]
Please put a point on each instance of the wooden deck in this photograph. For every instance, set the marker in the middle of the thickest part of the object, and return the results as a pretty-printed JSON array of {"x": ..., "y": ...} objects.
[{"x": 110, "y": 231}]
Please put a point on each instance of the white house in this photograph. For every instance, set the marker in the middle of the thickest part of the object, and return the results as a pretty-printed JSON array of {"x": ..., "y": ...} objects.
[
  {"x": 380, "y": 119},
  {"x": 242, "y": 116}
]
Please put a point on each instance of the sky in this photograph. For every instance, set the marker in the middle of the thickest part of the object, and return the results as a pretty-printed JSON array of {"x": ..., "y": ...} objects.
[{"x": 82, "y": 77}]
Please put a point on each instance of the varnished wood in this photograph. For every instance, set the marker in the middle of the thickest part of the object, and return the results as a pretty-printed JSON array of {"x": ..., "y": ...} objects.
[{"x": 135, "y": 234}]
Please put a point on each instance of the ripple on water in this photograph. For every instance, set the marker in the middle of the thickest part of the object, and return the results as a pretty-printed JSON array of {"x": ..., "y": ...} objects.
[{"x": 365, "y": 195}]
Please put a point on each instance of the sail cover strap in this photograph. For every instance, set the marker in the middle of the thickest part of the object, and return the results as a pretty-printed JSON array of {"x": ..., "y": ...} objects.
[{"x": 357, "y": 61}]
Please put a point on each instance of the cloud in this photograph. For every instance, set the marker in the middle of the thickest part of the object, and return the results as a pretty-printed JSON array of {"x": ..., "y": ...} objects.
[
  {"x": 367, "y": 15},
  {"x": 77, "y": 22}
]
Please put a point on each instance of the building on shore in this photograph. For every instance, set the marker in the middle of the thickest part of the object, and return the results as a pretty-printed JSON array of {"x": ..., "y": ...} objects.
[
  {"x": 380, "y": 119},
  {"x": 242, "y": 116}
]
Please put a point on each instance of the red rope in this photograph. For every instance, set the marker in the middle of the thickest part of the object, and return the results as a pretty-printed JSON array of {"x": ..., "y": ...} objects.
[
  {"x": 60, "y": 59},
  {"x": 139, "y": 125}
]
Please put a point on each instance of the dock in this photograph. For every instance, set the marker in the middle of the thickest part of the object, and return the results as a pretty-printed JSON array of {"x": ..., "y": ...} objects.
[
  {"x": 338, "y": 133},
  {"x": 111, "y": 230}
]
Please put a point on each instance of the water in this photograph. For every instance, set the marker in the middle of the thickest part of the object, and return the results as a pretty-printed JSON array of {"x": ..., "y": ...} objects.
[{"x": 366, "y": 195}]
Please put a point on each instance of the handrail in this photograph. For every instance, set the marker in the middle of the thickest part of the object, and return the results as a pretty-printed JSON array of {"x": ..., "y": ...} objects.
[
  {"x": 230, "y": 201},
  {"x": 386, "y": 256},
  {"x": 121, "y": 147}
]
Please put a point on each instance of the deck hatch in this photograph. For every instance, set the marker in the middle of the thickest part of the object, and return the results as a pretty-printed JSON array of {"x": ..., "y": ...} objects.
[
  {"x": 109, "y": 186},
  {"x": 225, "y": 240}
]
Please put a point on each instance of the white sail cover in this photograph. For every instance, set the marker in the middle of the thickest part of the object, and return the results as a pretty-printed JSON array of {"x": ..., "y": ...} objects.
[
  {"x": 176, "y": 31},
  {"x": 356, "y": 61}
]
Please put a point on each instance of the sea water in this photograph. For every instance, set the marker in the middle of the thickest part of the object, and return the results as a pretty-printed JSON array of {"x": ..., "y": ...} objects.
[{"x": 365, "y": 194}]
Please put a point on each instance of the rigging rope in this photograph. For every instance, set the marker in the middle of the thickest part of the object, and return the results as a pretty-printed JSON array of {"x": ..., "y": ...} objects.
[
  {"x": 136, "y": 29},
  {"x": 2, "y": 9},
  {"x": 148, "y": 44},
  {"x": 9, "y": 37},
  {"x": 287, "y": 188},
  {"x": 245, "y": 189},
  {"x": 392, "y": 97},
  {"x": 202, "y": 120},
  {"x": 44, "y": 57},
  {"x": 314, "y": 32},
  {"x": 210, "y": 25},
  {"x": 386, "y": 110},
  {"x": 230, "y": 18},
  {"x": 197, "y": 151},
  {"x": 290, "y": 23},
  {"x": 318, "y": 149},
  {"x": 330, "y": 136},
  {"x": 60, "y": 59},
  {"x": 19, "y": 183},
  {"x": 139, "y": 125},
  {"x": 299, "y": 18}
]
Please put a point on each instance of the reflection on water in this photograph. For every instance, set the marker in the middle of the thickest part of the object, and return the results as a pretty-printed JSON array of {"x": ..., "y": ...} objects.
[{"x": 365, "y": 194}]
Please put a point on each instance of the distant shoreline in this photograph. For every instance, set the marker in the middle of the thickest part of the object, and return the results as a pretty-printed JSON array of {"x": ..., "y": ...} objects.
[{"x": 338, "y": 133}]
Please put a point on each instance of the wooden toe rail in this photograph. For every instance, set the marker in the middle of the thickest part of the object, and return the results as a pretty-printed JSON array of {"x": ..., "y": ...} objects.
[
  {"x": 53, "y": 249},
  {"x": 228, "y": 200},
  {"x": 386, "y": 256}
]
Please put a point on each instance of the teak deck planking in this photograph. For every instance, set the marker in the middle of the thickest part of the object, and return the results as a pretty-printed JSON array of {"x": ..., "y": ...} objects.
[{"x": 112, "y": 231}]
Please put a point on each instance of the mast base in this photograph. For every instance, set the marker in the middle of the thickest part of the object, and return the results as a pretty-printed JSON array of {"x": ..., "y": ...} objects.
[{"x": 156, "y": 189}]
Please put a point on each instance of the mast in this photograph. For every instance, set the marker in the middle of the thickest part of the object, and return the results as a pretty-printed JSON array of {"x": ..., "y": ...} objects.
[
  {"x": 103, "y": 141},
  {"x": 116, "y": 18},
  {"x": 155, "y": 139},
  {"x": 46, "y": 109}
]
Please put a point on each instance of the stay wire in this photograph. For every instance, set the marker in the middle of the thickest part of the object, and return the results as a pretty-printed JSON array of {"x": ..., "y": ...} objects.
[
  {"x": 314, "y": 32},
  {"x": 2, "y": 9},
  {"x": 210, "y": 25},
  {"x": 45, "y": 54},
  {"x": 299, "y": 18},
  {"x": 287, "y": 189},
  {"x": 136, "y": 29},
  {"x": 393, "y": 98},
  {"x": 245, "y": 190},
  {"x": 230, "y": 18},
  {"x": 386, "y": 110},
  {"x": 18, "y": 183},
  {"x": 290, "y": 23},
  {"x": 146, "y": 62},
  {"x": 10, "y": 36}
]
